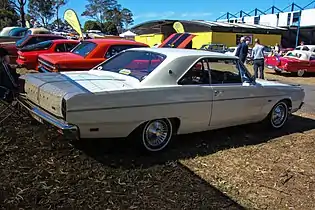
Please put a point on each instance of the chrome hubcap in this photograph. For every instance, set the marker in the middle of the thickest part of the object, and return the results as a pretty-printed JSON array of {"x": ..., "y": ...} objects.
[
  {"x": 156, "y": 133},
  {"x": 300, "y": 73},
  {"x": 278, "y": 115}
]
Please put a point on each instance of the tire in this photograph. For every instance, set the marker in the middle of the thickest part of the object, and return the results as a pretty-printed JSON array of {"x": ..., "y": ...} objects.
[
  {"x": 278, "y": 115},
  {"x": 277, "y": 72},
  {"x": 300, "y": 73},
  {"x": 154, "y": 135}
]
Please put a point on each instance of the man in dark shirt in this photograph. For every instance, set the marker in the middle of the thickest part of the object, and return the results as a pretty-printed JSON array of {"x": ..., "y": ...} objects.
[{"x": 242, "y": 50}]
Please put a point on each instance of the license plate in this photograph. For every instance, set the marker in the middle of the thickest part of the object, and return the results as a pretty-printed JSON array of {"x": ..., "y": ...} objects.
[{"x": 37, "y": 118}]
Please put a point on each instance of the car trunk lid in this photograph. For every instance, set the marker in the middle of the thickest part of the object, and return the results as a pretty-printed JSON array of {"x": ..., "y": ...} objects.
[
  {"x": 48, "y": 90},
  {"x": 177, "y": 40}
]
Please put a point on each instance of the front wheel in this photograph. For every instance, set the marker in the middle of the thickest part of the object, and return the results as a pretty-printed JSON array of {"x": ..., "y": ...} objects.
[
  {"x": 278, "y": 115},
  {"x": 155, "y": 135}
]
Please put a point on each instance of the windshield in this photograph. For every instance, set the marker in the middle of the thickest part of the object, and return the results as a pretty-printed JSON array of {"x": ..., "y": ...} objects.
[
  {"x": 84, "y": 48},
  {"x": 20, "y": 42},
  {"x": 291, "y": 54},
  {"x": 138, "y": 64},
  {"x": 230, "y": 49},
  {"x": 39, "y": 46}
]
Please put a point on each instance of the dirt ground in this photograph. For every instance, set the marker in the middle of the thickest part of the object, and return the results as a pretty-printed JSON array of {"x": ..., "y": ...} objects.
[{"x": 246, "y": 167}]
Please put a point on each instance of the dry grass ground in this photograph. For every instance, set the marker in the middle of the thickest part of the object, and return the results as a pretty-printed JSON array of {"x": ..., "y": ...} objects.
[
  {"x": 275, "y": 174},
  {"x": 257, "y": 168}
]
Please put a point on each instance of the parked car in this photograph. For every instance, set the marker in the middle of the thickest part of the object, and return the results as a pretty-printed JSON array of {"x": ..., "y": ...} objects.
[
  {"x": 28, "y": 55},
  {"x": 178, "y": 40},
  {"x": 220, "y": 48},
  {"x": 14, "y": 34},
  {"x": 310, "y": 48},
  {"x": 155, "y": 93},
  {"x": 297, "y": 62},
  {"x": 85, "y": 56},
  {"x": 13, "y": 47}
]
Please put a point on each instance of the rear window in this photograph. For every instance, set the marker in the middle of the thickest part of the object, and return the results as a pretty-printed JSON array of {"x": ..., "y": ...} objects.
[
  {"x": 20, "y": 42},
  {"x": 114, "y": 49},
  {"x": 84, "y": 48},
  {"x": 39, "y": 46}
]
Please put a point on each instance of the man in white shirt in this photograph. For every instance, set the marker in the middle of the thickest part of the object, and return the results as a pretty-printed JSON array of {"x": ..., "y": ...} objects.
[{"x": 258, "y": 57}]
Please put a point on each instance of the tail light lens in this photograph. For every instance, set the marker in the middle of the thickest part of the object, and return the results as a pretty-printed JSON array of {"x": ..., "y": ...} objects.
[
  {"x": 21, "y": 83},
  {"x": 64, "y": 108}
]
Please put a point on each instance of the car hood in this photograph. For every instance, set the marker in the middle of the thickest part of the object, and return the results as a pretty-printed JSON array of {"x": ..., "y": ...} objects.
[
  {"x": 269, "y": 83},
  {"x": 55, "y": 58}
]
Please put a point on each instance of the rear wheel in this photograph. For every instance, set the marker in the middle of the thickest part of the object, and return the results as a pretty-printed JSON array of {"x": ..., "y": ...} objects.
[
  {"x": 278, "y": 115},
  {"x": 300, "y": 72},
  {"x": 154, "y": 135}
]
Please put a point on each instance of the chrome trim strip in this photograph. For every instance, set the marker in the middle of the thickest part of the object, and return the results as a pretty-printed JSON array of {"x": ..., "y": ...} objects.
[{"x": 167, "y": 103}]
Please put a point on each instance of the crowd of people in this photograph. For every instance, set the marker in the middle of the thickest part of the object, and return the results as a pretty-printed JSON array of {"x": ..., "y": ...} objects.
[{"x": 257, "y": 55}]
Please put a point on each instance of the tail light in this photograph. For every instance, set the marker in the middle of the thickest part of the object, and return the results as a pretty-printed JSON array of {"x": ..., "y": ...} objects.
[
  {"x": 21, "y": 84},
  {"x": 64, "y": 108}
]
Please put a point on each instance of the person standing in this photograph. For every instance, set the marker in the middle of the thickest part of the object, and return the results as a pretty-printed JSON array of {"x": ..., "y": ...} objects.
[
  {"x": 242, "y": 50},
  {"x": 258, "y": 57}
]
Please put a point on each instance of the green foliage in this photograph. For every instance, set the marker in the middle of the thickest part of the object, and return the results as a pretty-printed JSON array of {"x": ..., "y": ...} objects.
[
  {"x": 42, "y": 10},
  {"x": 104, "y": 11},
  {"x": 109, "y": 28},
  {"x": 8, "y": 16},
  {"x": 92, "y": 25}
]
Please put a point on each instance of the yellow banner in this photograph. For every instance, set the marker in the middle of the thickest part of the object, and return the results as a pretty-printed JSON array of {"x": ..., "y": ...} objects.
[
  {"x": 179, "y": 28},
  {"x": 71, "y": 17}
]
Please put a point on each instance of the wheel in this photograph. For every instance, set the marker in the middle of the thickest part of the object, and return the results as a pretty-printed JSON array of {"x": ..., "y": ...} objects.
[
  {"x": 277, "y": 72},
  {"x": 278, "y": 115},
  {"x": 155, "y": 135},
  {"x": 300, "y": 72}
]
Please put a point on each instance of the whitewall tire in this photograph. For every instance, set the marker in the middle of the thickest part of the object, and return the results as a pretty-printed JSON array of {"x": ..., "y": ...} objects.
[
  {"x": 156, "y": 135},
  {"x": 279, "y": 115}
]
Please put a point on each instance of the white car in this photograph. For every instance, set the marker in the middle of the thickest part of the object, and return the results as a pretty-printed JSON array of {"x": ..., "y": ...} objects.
[
  {"x": 156, "y": 93},
  {"x": 310, "y": 48}
]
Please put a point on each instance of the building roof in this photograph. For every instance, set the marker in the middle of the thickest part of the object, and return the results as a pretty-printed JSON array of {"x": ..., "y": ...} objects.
[
  {"x": 203, "y": 26},
  {"x": 115, "y": 41}
]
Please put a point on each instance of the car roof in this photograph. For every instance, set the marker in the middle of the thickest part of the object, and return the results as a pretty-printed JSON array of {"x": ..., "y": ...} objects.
[
  {"x": 114, "y": 41},
  {"x": 177, "y": 52},
  {"x": 65, "y": 41}
]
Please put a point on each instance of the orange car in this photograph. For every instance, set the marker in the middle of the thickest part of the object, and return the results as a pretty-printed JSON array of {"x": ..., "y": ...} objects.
[{"x": 85, "y": 55}]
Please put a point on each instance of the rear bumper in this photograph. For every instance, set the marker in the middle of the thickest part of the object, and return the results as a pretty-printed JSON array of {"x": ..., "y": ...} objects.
[{"x": 67, "y": 130}]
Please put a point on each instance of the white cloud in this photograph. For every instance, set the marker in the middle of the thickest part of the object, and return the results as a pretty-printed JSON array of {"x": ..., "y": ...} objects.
[{"x": 201, "y": 14}]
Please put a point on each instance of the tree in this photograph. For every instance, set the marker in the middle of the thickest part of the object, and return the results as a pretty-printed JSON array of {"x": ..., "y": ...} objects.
[
  {"x": 19, "y": 5},
  {"x": 58, "y": 4},
  {"x": 8, "y": 16},
  {"x": 92, "y": 25},
  {"x": 122, "y": 17},
  {"x": 43, "y": 10},
  {"x": 97, "y": 9},
  {"x": 109, "y": 28}
]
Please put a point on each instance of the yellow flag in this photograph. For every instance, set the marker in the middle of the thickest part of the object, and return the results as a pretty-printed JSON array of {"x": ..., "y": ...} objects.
[
  {"x": 179, "y": 28},
  {"x": 71, "y": 17}
]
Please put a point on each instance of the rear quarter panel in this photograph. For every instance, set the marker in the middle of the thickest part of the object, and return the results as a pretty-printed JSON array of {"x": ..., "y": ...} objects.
[{"x": 118, "y": 113}]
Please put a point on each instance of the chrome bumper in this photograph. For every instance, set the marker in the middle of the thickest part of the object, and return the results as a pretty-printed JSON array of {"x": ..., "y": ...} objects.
[{"x": 67, "y": 130}]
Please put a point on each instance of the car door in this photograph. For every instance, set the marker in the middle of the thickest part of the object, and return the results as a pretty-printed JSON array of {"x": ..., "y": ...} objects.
[
  {"x": 195, "y": 87},
  {"x": 312, "y": 63},
  {"x": 236, "y": 100}
]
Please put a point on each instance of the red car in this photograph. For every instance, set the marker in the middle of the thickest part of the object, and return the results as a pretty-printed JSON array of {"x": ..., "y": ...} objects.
[
  {"x": 13, "y": 47},
  {"x": 28, "y": 56},
  {"x": 297, "y": 62},
  {"x": 85, "y": 55}
]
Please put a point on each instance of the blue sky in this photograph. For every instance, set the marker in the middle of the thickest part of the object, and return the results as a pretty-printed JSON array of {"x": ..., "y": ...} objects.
[{"x": 145, "y": 10}]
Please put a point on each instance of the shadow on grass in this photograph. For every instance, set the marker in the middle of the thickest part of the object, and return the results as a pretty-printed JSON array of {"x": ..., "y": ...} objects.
[{"x": 123, "y": 153}]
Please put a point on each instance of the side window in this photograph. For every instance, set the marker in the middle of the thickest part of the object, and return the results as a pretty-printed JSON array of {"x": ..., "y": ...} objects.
[
  {"x": 69, "y": 46},
  {"x": 114, "y": 49},
  {"x": 60, "y": 48},
  {"x": 197, "y": 75},
  {"x": 225, "y": 71},
  {"x": 312, "y": 58}
]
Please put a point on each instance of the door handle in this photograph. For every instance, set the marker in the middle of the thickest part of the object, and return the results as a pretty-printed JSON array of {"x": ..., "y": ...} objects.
[{"x": 217, "y": 92}]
